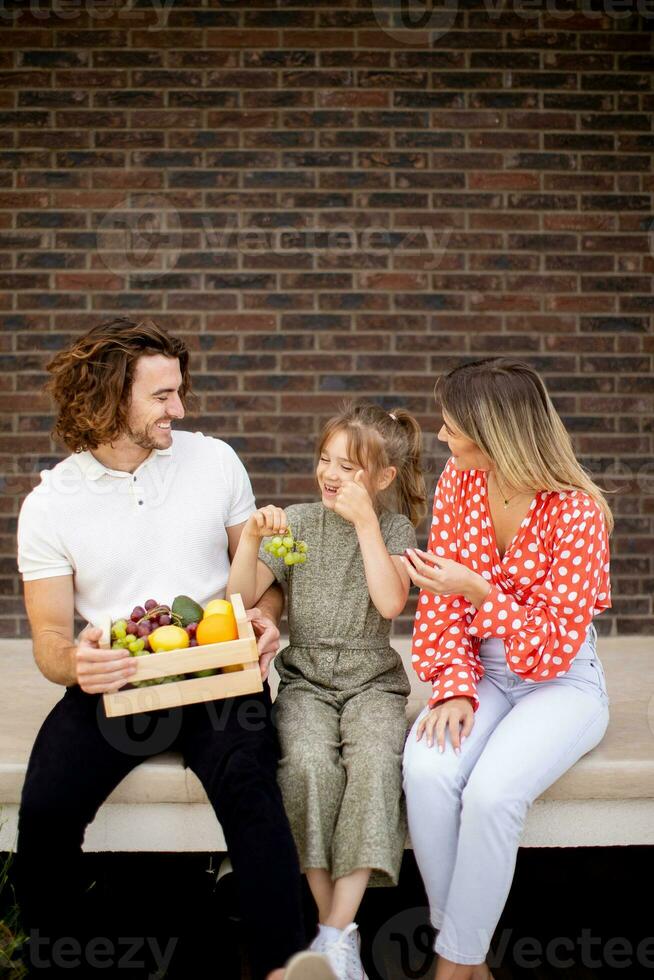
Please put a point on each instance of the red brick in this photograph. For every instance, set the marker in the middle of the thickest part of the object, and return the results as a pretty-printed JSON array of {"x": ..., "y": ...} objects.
[{"x": 490, "y": 236}]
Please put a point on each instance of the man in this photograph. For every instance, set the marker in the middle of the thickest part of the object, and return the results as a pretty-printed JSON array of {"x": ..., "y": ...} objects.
[{"x": 137, "y": 512}]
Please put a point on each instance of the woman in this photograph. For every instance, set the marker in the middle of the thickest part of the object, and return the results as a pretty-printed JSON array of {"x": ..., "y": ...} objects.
[{"x": 517, "y": 568}]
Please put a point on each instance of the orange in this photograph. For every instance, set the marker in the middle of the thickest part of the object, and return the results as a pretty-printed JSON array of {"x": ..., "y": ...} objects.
[{"x": 217, "y": 629}]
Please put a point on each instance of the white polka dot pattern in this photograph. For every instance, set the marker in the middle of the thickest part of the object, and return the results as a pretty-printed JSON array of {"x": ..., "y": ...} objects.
[{"x": 545, "y": 591}]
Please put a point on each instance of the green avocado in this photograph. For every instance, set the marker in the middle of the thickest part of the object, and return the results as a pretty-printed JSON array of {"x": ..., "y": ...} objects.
[{"x": 187, "y": 610}]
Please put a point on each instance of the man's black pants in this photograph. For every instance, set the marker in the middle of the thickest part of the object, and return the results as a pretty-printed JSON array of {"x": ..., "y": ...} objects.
[{"x": 80, "y": 756}]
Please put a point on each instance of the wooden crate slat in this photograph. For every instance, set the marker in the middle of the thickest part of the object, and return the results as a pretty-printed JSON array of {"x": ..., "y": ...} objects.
[
  {"x": 195, "y": 658},
  {"x": 243, "y": 624},
  {"x": 174, "y": 694}
]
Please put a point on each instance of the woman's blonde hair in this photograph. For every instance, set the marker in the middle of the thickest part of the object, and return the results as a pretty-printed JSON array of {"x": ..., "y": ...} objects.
[
  {"x": 502, "y": 405},
  {"x": 377, "y": 439}
]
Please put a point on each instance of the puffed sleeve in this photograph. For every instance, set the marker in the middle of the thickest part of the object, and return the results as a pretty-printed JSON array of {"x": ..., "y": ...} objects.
[
  {"x": 442, "y": 651},
  {"x": 543, "y": 636}
]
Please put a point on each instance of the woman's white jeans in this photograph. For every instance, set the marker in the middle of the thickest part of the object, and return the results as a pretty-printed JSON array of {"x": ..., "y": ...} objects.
[{"x": 466, "y": 812}]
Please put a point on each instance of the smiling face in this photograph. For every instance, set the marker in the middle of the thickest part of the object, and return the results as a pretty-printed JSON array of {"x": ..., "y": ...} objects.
[
  {"x": 467, "y": 454},
  {"x": 335, "y": 468},
  {"x": 155, "y": 401}
]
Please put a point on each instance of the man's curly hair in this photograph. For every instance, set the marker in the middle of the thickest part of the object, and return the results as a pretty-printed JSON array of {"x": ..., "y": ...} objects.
[{"x": 92, "y": 380}]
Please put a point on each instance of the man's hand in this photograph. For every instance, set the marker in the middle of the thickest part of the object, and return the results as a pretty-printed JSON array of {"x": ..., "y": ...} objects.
[
  {"x": 100, "y": 671},
  {"x": 267, "y": 634}
]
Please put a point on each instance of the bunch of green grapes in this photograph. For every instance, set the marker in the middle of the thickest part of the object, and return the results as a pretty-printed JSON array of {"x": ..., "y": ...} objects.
[
  {"x": 293, "y": 552},
  {"x": 121, "y": 639}
]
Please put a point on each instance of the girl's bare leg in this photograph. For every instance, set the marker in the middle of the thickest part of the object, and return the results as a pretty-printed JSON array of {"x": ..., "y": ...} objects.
[
  {"x": 348, "y": 892},
  {"x": 322, "y": 889}
]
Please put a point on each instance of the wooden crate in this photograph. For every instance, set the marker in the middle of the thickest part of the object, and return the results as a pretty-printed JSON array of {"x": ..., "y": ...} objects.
[{"x": 242, "y": 653}]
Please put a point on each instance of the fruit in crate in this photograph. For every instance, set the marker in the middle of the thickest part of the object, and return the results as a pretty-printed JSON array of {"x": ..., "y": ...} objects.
[
  {"x": 286, "y": 547},
  {"x": 154, "y": 628},
  {"x": 220, "y": 607},
  {"x": 217, "y": 628},
  {"x": 186, "y": 610},
  {"x": 218, "y": 625},
  {"x": 157, "y": 628},
  {"x": 169, "y": 638}
]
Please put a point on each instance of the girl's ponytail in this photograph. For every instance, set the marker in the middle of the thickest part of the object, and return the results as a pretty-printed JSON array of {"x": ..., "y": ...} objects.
[{"x": 411, "y": 489}]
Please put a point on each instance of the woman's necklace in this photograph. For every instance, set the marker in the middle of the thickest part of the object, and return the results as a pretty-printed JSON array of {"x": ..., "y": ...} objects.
[{"x": 507, "y": 500}]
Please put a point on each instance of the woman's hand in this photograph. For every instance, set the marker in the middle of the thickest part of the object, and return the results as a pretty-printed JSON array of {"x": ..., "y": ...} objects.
[
  {"x": 265, "y": 522},
  {"x": 353, "y": 501},
  {"x": 443, "y": 576},
  {"x": 457, "y": 714}
]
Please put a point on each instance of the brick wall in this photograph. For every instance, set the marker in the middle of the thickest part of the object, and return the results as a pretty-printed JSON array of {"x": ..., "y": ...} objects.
[{"x": 325, "y": 200}]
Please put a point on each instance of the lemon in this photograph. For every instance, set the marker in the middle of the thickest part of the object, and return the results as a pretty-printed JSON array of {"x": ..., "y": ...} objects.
[
  {"x": 169, "y": 638},
  {"x": 218, "y": 607}
]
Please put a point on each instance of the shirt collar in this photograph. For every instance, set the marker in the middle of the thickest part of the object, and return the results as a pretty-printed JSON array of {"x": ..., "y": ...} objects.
[{"x": 93, "y": 469}]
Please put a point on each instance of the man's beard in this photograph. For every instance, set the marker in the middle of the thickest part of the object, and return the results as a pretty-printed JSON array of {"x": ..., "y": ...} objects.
[{"x": 142, "y": 438}]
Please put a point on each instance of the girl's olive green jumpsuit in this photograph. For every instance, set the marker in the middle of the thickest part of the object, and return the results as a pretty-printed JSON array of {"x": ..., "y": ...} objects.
[{"x": 341, "y": 706}]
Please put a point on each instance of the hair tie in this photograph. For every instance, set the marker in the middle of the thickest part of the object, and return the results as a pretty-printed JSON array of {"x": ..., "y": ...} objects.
[{"x": 394, "y": 417}]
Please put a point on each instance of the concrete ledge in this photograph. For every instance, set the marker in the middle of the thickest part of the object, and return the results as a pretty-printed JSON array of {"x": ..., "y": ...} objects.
[
  {"x": 184, "y": 827},
  {"x": 606, "y": 799}
]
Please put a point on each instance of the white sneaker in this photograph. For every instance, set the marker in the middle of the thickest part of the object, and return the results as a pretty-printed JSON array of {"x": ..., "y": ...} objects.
[
  {"x": 343, "y": 954},
  {"x": 309, "y": 965}
]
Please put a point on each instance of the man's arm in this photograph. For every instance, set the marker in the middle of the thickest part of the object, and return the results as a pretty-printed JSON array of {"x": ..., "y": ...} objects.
[{"x": 50, "y": 608}]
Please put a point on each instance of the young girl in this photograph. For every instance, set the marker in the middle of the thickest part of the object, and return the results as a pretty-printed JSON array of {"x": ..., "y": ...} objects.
[{"x": 340, "y": 709}]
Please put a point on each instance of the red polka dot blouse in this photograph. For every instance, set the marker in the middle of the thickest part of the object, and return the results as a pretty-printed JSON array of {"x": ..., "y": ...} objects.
[{"x": 545, "y": 591}]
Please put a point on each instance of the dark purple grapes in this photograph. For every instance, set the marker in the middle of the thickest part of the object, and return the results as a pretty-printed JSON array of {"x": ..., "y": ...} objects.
[
  {"x": 192, "y": 629},
  {"x": 150, "y": 604},
  {"x": 144, "y": 629},
  {"x": 132, "y": 629},
  {"x": 164, "y": 620},
  {"x": 138, "y": 612},
  {"x": 193, "y": 643}
]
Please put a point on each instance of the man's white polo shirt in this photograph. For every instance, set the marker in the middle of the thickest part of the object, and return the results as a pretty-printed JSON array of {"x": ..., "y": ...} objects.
[{"x": 128, "y": 537}]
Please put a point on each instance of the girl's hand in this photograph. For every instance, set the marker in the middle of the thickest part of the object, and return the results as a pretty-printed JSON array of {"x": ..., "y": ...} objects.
[
  {"x": 457, "y": 714},
  {"x": 353, "y": 501},
  {"x": 441, "y": 576},
  {"x": 265, "y": 522}
]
